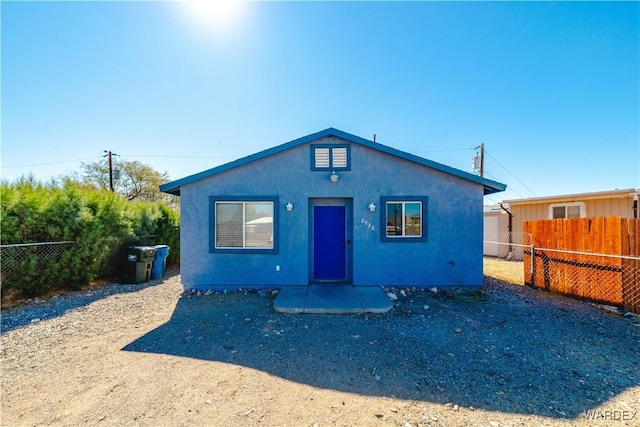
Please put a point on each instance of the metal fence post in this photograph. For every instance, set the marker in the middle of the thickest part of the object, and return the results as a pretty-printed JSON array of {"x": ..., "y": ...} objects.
[{"x": 533, "y": 266}]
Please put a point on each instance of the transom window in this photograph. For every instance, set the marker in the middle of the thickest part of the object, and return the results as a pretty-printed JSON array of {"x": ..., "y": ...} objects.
[
  {"x": 404, "y": 219},
  {"x": 244, "y": 225},
  {"x": 330, "y": 157},
  {"x": 567, "y": 210}
]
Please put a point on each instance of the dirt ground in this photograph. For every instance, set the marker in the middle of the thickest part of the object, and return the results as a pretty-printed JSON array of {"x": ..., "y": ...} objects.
[{"x": 147, "y": 355}]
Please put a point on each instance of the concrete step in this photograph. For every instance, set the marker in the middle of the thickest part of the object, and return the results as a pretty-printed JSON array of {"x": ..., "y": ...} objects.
[{"x": 332, "y": 298}]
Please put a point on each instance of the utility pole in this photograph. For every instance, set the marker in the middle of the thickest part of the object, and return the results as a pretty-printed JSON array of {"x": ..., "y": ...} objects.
[
  {"x": 110, "y": 155},
  {"x": 478, "y": 162},
  {"x": 481, "y": 159}
]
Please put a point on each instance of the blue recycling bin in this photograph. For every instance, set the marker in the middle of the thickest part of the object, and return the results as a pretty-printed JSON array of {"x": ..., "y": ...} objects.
[{"x": 159, "y": 264}]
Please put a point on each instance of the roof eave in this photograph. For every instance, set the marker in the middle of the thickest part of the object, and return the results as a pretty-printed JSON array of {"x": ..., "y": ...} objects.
[
  {"x": 627, "y": 192},
  {"x": 494, "y": 187},
  {"x": 490, "y": 186}
]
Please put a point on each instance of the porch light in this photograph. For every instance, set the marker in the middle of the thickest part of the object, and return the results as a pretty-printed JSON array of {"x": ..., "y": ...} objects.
[
  {"x": 372, "y": 207},
  {"x": 289, "y": 207},
  {"x": 334, "y": 177}
]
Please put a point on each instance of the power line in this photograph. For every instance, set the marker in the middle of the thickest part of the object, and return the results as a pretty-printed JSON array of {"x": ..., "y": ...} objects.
[
  {"x": 175, "y": 157},
  {"x": 442, "y": 151},
  {"x": 491, "y": 200},
  {"x": 122, "y": 155},
  {"x": 510, "y": 189},
  {"x": 50, "y": 163},
  {"x": 523, "y": 184}
]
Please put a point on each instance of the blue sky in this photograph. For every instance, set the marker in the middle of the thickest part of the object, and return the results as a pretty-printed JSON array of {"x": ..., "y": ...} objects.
[{"x": 551, "y": 89}]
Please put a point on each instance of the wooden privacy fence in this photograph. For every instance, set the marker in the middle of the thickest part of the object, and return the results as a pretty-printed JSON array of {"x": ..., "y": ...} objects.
[{"x": 594, "y": 258}]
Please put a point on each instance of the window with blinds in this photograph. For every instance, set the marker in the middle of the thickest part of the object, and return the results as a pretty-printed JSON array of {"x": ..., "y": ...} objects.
[
  {"x": 244, "y": 224},
  {"x": 567, "y": 210},
  {"x": 330, "y": 157}
]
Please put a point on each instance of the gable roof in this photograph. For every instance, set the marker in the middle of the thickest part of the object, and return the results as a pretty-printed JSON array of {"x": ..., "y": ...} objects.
[{"x": 490, "y": 186}]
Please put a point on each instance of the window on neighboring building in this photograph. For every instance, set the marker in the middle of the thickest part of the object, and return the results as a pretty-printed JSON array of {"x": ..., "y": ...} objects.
[
  {"x": 244, "y": 224},
  {"x": 330, "y": 157},
  {"x": 567, "y": 210},
  {"x": 403, "y": 218}
]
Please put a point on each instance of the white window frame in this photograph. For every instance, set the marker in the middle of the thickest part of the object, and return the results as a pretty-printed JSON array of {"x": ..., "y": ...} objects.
[
  {"x": 581, "y": 205},
  {"x": 403, "y": 200},
  {"x": 216, "y": 201}
]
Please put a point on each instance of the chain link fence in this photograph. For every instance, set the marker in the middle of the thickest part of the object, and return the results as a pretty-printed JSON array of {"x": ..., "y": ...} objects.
[
  {"x": 34, "y": 268},
  {"x": 603, "y": 278},
  {"x": 608, "y": 279},
  {"x": 29, "y": 259},
  {"x": 504, "y": 258}
]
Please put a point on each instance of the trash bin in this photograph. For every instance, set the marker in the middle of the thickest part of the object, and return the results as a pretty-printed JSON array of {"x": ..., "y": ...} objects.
[
  {"x": 138, "y": 263},
  {"x": 159, "y": 264}
]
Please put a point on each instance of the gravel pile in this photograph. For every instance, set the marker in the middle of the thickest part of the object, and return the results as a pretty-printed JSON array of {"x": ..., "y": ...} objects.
[{"x": 153, "y": 355}]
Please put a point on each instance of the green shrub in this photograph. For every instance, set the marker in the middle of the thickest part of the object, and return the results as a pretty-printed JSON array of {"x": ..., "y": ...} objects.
[{"x": 100, "y": 223}]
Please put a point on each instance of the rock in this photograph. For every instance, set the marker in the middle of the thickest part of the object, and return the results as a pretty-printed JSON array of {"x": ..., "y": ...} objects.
[
  {"x": 275, "y": 292},
  {"x": 610, "y": 309},
  {"x": 392, "y": 296},
  {"x": 403, "y": 293},
  {"x": 426, "y": 307},
  {"x": 457, "y": 330},
  {"x": 208, "y": 401},
  {"x": 434, "y": 290},
  {"x": 36, "y": 320}
]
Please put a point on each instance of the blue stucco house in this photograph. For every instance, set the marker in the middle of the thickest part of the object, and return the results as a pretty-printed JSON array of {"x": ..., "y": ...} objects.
[{"x": 331, "y": 207}]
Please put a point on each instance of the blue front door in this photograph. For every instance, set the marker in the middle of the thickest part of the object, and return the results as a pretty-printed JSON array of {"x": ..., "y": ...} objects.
[{"x": 329, "y": 243}]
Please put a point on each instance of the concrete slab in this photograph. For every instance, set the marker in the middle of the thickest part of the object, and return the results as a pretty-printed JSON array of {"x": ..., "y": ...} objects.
[
  {"x": 332, "y": 299},
  {"x": 291, "y": 299},
  {"x": 373, "y": 299}
]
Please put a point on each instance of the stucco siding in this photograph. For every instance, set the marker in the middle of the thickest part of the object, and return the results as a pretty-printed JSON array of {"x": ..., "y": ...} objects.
[{"x": 453, "y": 216}]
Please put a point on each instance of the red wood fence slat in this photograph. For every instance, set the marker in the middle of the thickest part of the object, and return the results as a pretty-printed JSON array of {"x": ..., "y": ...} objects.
[{"x": 606, "y": 279}]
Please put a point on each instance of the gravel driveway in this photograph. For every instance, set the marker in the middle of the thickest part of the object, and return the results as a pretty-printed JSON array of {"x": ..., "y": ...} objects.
[{"x": 149, "y": 355}]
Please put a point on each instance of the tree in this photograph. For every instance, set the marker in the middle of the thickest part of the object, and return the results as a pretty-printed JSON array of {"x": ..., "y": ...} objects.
[{"x": 135, "y": 181}]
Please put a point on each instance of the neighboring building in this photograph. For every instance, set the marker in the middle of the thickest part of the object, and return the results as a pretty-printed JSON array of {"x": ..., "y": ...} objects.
[
  {"x": 496, "y": 229},
  {"x": 622, "y": 203},
  {"x": 331, "y": 207}
]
